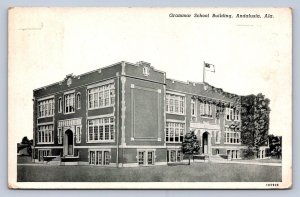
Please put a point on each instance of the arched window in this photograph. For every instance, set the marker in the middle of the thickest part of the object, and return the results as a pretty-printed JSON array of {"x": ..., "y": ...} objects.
[{"x": 78, "y": 100}]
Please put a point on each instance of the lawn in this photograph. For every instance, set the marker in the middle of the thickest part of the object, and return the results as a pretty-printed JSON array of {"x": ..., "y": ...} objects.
[{"x": 196, "y": 172}]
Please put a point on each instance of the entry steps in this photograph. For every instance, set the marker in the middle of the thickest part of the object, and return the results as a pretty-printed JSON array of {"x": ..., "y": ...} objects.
[{"x": 217, "y": 158}]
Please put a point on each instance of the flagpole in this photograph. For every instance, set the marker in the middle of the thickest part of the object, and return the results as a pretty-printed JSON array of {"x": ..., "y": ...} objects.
[{"x": 203, "y": 71}]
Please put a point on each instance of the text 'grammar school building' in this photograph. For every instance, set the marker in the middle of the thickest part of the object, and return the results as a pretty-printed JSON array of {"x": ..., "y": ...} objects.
[{"x": 129, "y": 115}]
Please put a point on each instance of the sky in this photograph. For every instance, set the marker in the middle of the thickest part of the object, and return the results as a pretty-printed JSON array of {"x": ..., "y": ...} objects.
[{"x": 251, "y": 56}]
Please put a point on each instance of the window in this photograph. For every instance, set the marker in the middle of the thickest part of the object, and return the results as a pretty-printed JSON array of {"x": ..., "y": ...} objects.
[
  {"x": 141, "y": 158},
  {"x": 102, "y": 96},
  {"x": 146, "y": 157},
  {"x": 236, "y": 114},
  {"x": 45, "y": 134},
  {"x": 43, "y": 153},
  {"x": 78, "y": 134},
  {"x": 193, "y": 107},
  {"x": 59, "y": 135},
  {"x": 101, "y": 129},
  {"x": 218, "y": 137},
  {"x": 59, "y": 105},
  {"x": 69, "y": 101},
  {"x": 232, "y": 114},
  {"x": 174, "y": 155},
  {"x": 46, "y": 108},
  {"x": 145, "y": 71},
  {"x": 232, "y": 137},
  {"x": 78, "y": 101},
  {"x": 235, "y": 154},
  {"x": 150, "y": 157},
  {"x": 99, "y": 157},
  {"x": 175, "y": 104},
  {"x": 206, "y": 109},
  {"x": 175, "y": 131}
]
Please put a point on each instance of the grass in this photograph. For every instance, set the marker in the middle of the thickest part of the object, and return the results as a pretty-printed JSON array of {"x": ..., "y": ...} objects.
[
  {"x": 24, "y": 159},
  {"x": 196, "y": 172}
]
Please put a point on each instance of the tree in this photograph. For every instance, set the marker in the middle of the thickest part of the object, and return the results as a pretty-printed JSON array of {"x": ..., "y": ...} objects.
[
  {"x": 275, "y": 146},
  {"x": 190, "y": 145},
  {"x": 255, "y": 121},
  {"x": 25, "y": 140},
  {"x": 28, "y": 143}
]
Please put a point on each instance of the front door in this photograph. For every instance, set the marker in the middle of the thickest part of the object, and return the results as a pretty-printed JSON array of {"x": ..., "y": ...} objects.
[{"x": 68, "y": 142}]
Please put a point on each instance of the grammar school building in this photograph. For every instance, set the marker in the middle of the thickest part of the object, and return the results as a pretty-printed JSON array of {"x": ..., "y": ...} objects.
[{"x": 130, "y": 114}]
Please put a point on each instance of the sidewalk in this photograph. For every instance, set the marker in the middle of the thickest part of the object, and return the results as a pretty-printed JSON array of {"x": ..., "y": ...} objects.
[{"x": 248, "y": 163}]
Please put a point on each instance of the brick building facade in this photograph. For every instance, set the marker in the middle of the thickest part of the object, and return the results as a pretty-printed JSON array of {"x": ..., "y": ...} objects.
[{"x": 129, "y": 115}]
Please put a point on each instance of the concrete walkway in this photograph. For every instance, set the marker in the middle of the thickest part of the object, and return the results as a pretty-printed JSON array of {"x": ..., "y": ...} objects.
[
  {"x": 248, "y": 163},
  {"x": 195, "y": 161}
]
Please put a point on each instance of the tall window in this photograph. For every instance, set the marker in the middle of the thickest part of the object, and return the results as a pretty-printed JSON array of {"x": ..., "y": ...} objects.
[
  {"x": 45, "y": 134},
  {"x": 218, "y": 137},
  {"x": 102, "y": 96},
  {"x": 205, "y": 109},
  {"x": 175, "y": 131},
  {"x": 99, "y": 157},
  {"x": 59, "y": 135},
  {"x": 46, "y": 108},
  {"x": 236, "y": 114},
  {"x": 232, "y": 137},
  {"x": 78, "y": 134},
  {"x": 78, "y": 101},
  {"x": 59, "y": 105},
  {"x": 193, "y": 107},
  {"x": 101, "y": 129},
  {"x": 69, "y": 100},
  {"x": 175, "y": 104},
  {"x": 228, "y": 113}
]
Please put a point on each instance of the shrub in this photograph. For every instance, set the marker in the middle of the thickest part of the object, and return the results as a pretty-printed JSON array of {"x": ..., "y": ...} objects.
[{"x": 248, "y": 153}]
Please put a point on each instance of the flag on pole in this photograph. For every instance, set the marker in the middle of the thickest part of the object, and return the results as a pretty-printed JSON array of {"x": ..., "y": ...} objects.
[{"x": 209, "y": 67}]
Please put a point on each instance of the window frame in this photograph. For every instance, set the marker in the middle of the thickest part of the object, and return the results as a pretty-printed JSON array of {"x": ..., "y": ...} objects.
[
  {"x": 177, "y": 152},
  {"x": 60, "y": 105},
  {"x": 59, "y": 135},
  {"x": 175, "y": 101},
  {"x": 67, "y": 102},
  {"x": 101, "y": 126},
  {"x": 232, "y": 137},
  {"x": 193, "y": 108},
  {"x": 45, "y": 106},
  {"x": 78, "y": 136},
  {"x": 217, "y": 137},
  {"x": 103, "y": 96},
  {"x": 44, "y": 134},
  {"x": 172, "y": 128},
  {"x": 45, "y": 153},
  {"x": 78, "y": 100},
  {"x": 146, "y": 71},
  {"x": 105, "y": 154},
  {"x": 206, "y": 110},
  {"x": 146, "y": 157}
]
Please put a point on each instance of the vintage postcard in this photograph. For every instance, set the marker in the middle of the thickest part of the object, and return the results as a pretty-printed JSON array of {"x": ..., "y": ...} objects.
[{"x": 150, "y": 98}]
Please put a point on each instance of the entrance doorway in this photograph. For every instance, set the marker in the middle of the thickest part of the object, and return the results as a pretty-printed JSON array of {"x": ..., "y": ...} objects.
[
  {"x": 68, "y": 142},
  {"x": 205, "y": 143}
]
